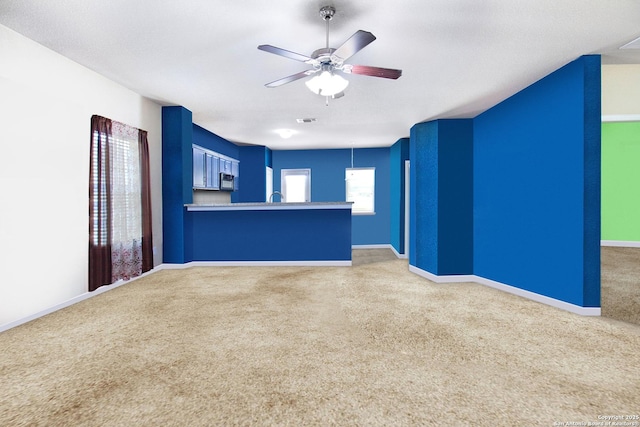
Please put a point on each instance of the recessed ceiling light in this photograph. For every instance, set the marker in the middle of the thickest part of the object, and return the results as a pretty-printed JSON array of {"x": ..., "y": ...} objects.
[
  {"x": 306, "y": 120},
  {"x": 285, "y": 133}
]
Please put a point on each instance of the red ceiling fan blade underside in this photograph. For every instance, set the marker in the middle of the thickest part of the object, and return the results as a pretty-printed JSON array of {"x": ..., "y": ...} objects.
[{"x": 365, "y": 70}]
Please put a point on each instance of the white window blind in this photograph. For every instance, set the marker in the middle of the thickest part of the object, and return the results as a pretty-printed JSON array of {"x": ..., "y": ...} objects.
[
  {"x": 296, "y": 185},
  {"x": 125, "y": 185},
  {"x": 360, "y": 189}
]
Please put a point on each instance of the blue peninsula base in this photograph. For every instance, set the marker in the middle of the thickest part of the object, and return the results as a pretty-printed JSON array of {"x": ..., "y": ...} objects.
[{"x": 270, "y": 233}]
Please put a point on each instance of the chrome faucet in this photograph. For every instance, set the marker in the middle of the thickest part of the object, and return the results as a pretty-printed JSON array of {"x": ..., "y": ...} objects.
[{"x": 274, "y": 193}]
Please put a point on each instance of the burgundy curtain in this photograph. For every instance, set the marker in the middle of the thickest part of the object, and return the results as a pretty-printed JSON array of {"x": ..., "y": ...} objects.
[
  {"x": 101, "y": 209},
  {"x": 147, "y": 239},
  {"x": 99, "y": 205}
]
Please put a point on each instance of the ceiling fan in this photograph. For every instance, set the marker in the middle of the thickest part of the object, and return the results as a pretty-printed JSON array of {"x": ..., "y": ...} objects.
[{"x": 326, "y": 61}]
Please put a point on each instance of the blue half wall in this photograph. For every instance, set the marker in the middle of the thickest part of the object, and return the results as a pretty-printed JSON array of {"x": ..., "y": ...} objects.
[{"x": 537, "y": 187}]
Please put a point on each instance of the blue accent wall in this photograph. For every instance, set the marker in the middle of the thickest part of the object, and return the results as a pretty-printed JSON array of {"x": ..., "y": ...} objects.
[
  {"x": 177, "y": 173},
  {"x": 328, "y": 184},
  {"x": 537, "y": 187},
  {"x": 213, "y": 142},
  {"x": 442, "y": 197},
  {"x": 399, "y": 153},
  {"x": 253, "y": 173}
]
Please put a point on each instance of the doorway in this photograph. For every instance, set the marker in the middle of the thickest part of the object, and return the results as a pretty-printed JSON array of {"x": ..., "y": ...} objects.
[{"x": 407, "y": 204}]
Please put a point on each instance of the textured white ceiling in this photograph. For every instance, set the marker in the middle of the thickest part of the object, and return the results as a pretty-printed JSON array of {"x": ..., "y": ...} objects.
[{"x": 459, "y": 57}]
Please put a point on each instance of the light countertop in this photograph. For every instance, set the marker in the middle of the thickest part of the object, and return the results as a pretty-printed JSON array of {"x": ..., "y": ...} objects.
[{"x": 268, "y": 206}]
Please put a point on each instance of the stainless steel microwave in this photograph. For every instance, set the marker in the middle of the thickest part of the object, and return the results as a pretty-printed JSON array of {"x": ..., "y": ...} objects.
[{"x": 226, "y": 181}]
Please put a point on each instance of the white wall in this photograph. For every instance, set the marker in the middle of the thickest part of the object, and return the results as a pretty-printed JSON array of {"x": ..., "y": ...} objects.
[
  {"x": 46, "y": 104},
  {"x": 621, "y": 90}
]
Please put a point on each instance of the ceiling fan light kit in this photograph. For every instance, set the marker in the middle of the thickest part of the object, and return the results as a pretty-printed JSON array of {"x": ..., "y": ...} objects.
[
  {"x": 327, "y": 84},
  {"x": 327, "y": 62}
]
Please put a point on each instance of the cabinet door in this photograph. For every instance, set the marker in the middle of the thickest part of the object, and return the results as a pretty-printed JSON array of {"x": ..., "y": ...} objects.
[
  {"x": 199, "y": 168},
  {"x": 225, "y": 166},
  {"x": 213, "y": 172},
  {"x": 235, "y": 171}
]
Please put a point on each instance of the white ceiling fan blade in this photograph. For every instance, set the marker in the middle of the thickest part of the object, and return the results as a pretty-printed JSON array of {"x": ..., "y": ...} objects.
[
  {"x": 287, "y": 54},
  {"x": 356, "y": 42},
  {"x": 291, "y": 78}
]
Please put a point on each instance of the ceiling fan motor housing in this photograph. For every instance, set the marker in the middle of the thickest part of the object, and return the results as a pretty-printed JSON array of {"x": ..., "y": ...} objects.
[
  {"x": 327, "y": 12},
  {"x": 323, "y": 55}
]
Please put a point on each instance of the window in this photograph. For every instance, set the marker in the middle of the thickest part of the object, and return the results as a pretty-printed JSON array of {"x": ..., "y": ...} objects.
[
  {"x": 296, "y": 185},
  {"x": 360, "y": 189},
  {"x": 120, "y": 243}
]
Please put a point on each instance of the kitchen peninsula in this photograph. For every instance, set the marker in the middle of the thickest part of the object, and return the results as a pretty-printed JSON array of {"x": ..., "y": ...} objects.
[
  {"x": 316, "y": 233},
  {"x": 206, "y": 224}
]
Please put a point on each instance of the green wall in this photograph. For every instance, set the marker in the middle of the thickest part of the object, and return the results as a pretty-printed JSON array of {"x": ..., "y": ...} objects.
[{"x": 621, "y": 181}]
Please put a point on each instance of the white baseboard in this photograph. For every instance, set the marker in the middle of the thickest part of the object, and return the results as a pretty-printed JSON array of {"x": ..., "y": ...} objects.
[
  {"x": 442, "y": 279},
  {"x": 106, "y": 288},
  {"x": 583, "y": 311},
  {"x": 329, "y": 263},
  {"x": 398, "y": 254},
  {"x": 74, "y": 300},
  {"x": 620, "y": 118},
  {"x": 380, "y": 246},
  {"x": 620, "y": 243}
]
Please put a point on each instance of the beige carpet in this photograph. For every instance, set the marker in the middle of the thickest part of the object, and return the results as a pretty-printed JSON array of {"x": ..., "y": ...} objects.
[
  {"x": 620, "y": 283},
  {"x": 368, "y": 345}
]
